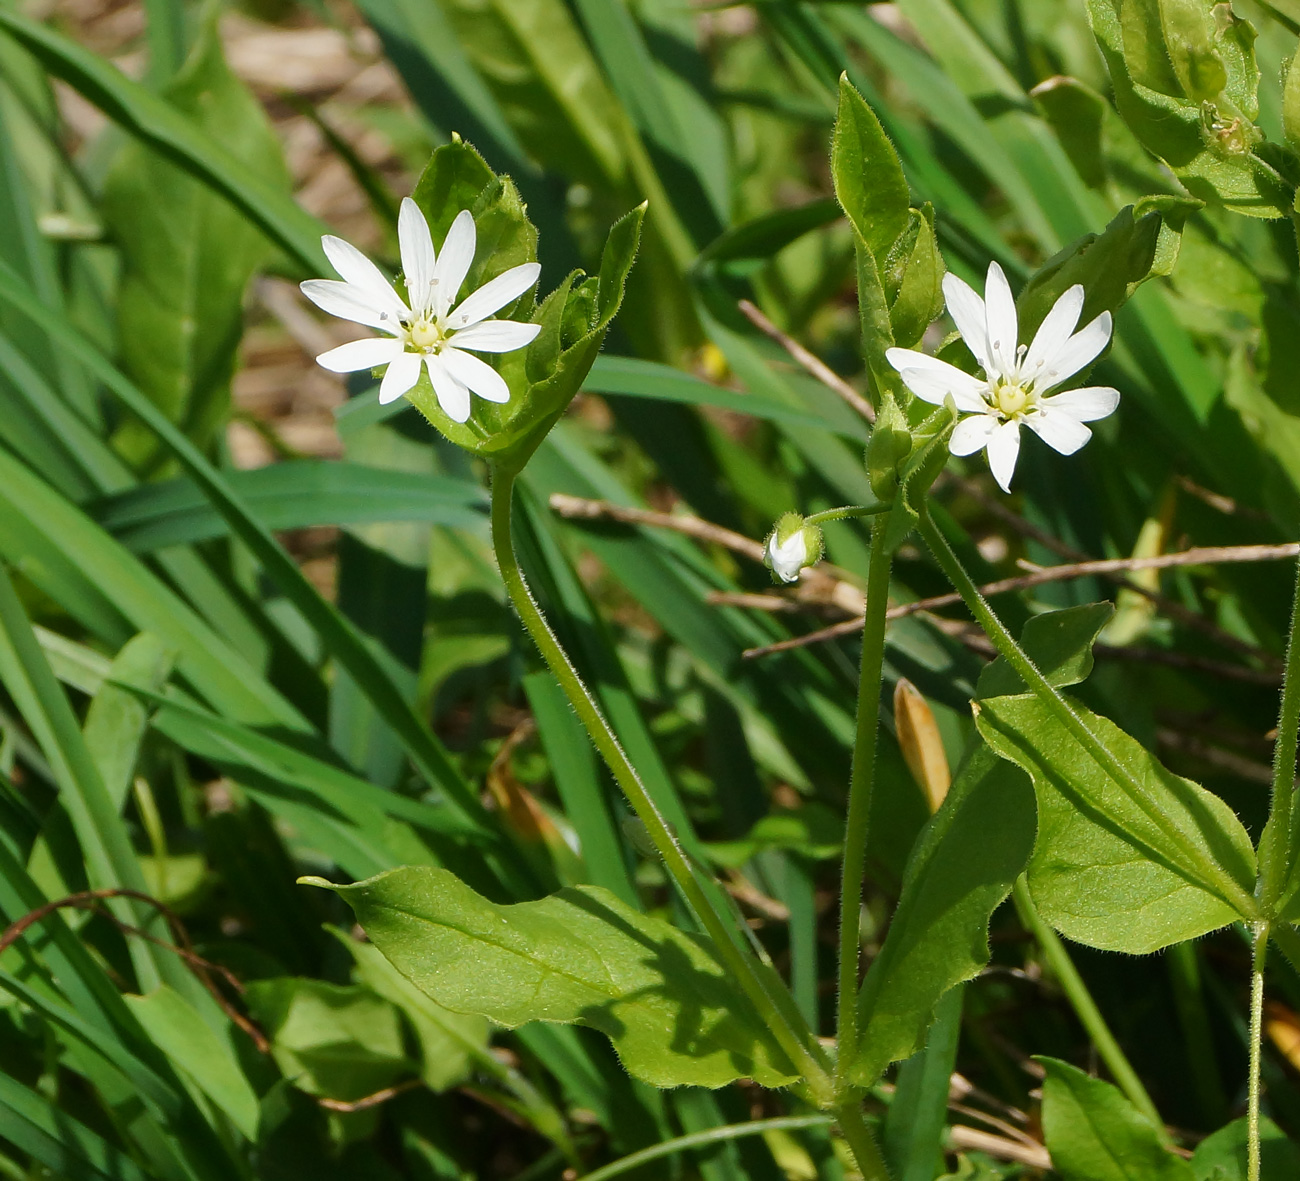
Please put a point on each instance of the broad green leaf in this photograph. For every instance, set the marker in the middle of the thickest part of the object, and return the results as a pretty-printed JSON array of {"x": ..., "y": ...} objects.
[
  {"x": 869, "y": 180},
  {"x": 205, "y": 1057},
  {"x": 813, "y": 831},
  {"x": 1095, "y": 1134},
  {"x": 1140, "y": 242},
  {"x": 158, "y": 123},
  {"x": 187, "y": 254},
  {"x": 1105, "y": 872},
  {"x": 1145, "y": 52},
  {"x": 343, "y": 1042},
  {"x": 963, "y": 865},
  {"x": 1188, "y": 39},
  {"x": 451, "y": 1044},
  {"x": 1222, "y": 1156},
  {"x": 578, "y": 957},
  {"x": 1060, "y": 645}
]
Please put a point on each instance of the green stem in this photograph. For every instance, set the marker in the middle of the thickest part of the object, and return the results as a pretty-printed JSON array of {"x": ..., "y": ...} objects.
[
  {"x": 1208, "y": 870},
  {"x": 787, "y": 1123},
  {"x": 854, "y": 867},
  {"x": 799, "y": 1044},
  {"x": 861, "y": 1142},
  {"x": 1085, "y": 1008},
  {"x": 1277, "y": 850},
  {"x": 845, "y": 512},
  {"x": 1256, "y": 1050}
]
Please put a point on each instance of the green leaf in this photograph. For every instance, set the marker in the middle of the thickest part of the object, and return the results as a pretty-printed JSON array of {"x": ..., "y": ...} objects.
[
  {"x": 160, "y": 125},
  {"x": 208, "y": 1060},
  {"x": 1291, "y": 101},
  {"x": 1222, "y": 1156},
  {"x": 1095, "y": 1134},
  {"x": 1106, "y": 872},
  {"x": 1145, "y": 51},
  {"x": 1076, "y": 113},
  {"x": 187, "y": 254},
  {"x": 914, "y": 270},
  {"x": 578, "y": 957},
  {"x": 1196, "y": 63},
  {"x": 292, "y": 494},
  {"x": 1140, "y": 242},
  {"x": 342, "y": 1042},
  {"x": 1060, "y": 645},
  {"x": 869, "y": 180},
  {"x": 963, "y": 865},
  {"x": 451, "y": 1044}
]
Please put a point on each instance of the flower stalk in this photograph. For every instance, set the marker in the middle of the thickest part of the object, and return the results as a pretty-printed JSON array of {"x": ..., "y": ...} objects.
[
  {"x": 861, "y": 781},
  {"x": 794, "y": 1037},
  {"x": 1260, "y": 932}
]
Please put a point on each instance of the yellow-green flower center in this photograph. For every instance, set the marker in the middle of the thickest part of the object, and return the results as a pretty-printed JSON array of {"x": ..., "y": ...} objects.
[
  {"x": 426, "y": 335},
  {"x": 1010, "y": 398}
]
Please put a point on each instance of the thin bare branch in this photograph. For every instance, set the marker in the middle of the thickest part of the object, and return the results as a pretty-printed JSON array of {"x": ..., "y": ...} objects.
[
  {"x": 974, "y": 1140},
  {"x": 808, "y": 362},
  {"x": 370, "y": 1100},
  {"x": 1200, "y": 556}
]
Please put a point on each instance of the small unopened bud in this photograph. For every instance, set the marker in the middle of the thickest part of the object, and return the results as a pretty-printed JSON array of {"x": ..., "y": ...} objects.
[{"x": 792, "y": 545}]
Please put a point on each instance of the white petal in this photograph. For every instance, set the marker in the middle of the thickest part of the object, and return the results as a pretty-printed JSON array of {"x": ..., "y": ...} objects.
[
  {"x": 478, "y": 375},
  {"x": 1004, "y": 330},
  {"x": 349, "y": 302},
  {"x": 493, "y": 296},
  {"x": 967, "y": 312},
  {"x": 1058, "y": 430},
  {"x": 1080, "y": 350},
  {"x": 496, "y": 336},
  {"x": 453, "y": 397},
  {"x": 416, "y": 246},
  {"x": 933, "y": 384},
  {"x": 402, "y": 373},
  {"x": 786, "y": 561},
  {"x": 454, "y": 261},
  {"x": 360, "y": 354},
  {"x": 1054, "y": 331},
  {"x": 972, "y": 433},
  {"x": 1003, "y": 450},
  {"x": 358, "y": 270},
  {"x": 1086, "y": 404}
]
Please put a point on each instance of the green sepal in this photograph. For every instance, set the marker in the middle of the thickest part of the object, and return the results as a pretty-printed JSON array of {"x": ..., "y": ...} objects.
[
  {"x": 889, "y": 445},
  {"x": 918, "y": 473}
]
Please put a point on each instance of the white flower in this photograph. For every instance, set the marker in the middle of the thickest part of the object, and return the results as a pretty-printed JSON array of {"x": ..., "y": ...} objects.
[
  {"x": 792, "y": 545},
  {"x": 1016, "y": 377},
  {"x": 430, "y": 329}
]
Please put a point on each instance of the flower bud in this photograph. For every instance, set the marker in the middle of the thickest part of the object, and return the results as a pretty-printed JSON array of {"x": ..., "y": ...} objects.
[
  {"x": 792, "y": 545},
  {"x": 889, "y": 445}
]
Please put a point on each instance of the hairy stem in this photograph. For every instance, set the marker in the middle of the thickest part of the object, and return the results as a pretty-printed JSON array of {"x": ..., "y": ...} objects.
[
  {"x": 1260, "y": 932},
  {"x": 798, "y": 1043},
  {"x": 1223, "y": 884},
  {"x": 854, "y": 867},
  {"x": 861, "y": 1142},
  {"x": 1277, "y": 850},
  {"x": 1085, "y": 1008}
]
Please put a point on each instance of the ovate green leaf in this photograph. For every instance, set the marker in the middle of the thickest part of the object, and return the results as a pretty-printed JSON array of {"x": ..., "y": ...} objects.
[
  {"x": 578, "y": 957},
  {"x": 1105, "y": 872},
  {"x": 1060, "y": 645},
  {"x": 869, "y": 180},
  {"x": 1095, "y": 1134},
  {"x": 1222, "y": 1156}
]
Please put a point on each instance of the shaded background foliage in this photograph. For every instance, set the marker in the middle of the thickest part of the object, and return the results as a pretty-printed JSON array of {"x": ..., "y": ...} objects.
[{"x": 183, "y": 716}]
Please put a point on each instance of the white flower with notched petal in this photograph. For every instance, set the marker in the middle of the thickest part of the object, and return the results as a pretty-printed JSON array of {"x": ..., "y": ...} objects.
[
  {"x": 1016, "y": 377},
  {"x": 430, "y": 329}
]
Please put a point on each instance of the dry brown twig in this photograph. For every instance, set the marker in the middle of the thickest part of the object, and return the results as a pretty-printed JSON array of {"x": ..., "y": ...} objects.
[{"x": 808, "y": 362}]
